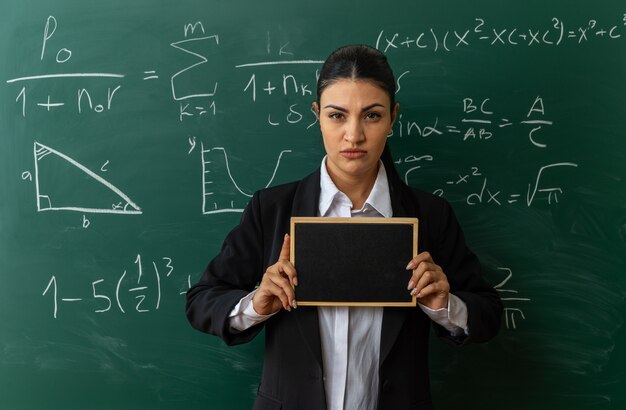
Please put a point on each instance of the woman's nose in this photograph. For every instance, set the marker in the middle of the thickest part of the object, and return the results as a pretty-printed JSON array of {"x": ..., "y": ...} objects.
[{"x": 354, "y": 131}]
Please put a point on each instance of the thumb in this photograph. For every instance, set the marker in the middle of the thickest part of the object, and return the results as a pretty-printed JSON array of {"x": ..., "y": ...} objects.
[{"x": 285, "y": 250}]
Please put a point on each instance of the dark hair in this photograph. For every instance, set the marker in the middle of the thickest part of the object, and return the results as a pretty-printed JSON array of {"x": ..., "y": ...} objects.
[
  {"x": 361, "y": 62},
  {"x": 357, "y": 62}
]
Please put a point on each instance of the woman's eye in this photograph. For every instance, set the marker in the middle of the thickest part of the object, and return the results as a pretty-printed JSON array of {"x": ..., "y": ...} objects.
[
  {"x": 335, "y": 115},
  {"x": 372, "y": 116}
]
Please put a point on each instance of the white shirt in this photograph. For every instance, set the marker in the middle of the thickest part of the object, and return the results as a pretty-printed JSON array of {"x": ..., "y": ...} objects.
[{"x": 350, "y": 336}]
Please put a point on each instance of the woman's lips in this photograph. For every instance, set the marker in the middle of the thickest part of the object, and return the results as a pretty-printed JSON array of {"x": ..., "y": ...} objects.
[{"x": 353, "y": 153}]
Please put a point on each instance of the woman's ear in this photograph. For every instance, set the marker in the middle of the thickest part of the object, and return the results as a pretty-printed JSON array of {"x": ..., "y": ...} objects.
[
  {"x": 394, "y": 113},
  {"x": 316, "y": 109}
]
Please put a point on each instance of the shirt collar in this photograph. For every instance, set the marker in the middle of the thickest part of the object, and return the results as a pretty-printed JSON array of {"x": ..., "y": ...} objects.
[{"x": 379, "y": 197}]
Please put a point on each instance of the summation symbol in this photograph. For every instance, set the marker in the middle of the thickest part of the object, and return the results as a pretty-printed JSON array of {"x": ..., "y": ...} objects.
[
  {"x": 51, "y": 192},
  {"x": 184, "y": 46},
  {"x": 218, "y": 181}
]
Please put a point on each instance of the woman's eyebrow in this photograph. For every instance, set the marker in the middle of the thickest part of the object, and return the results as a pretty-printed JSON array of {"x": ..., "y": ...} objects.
[
  {"x": 368, "y": 107},
  {"x": 336, "y": 107},
  {"x": 372, "y": 106}
]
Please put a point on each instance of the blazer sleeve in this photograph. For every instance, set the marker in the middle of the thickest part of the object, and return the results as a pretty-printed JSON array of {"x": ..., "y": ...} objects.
[
  {"x": 231, "y": 275},
  {"x": 462, "y": 267}
]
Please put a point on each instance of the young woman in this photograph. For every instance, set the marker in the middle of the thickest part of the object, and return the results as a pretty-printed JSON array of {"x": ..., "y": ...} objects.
[{"x": 345, "y": 357}]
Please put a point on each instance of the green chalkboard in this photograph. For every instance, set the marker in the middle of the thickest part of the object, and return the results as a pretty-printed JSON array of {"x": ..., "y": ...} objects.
[{"x": 132, "y": 133}]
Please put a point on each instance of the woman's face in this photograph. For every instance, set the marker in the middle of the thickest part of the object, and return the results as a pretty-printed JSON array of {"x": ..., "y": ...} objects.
[{"x": 355, "y": 119}]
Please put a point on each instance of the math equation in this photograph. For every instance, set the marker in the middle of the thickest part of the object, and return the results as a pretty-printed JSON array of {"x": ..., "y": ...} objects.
[{"x": 137, "y": 291}]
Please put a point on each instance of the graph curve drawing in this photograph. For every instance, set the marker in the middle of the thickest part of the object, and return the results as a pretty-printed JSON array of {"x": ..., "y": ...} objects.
[
  {"x": 63, "y": 184},
  {"x": 215, "y": 162}
]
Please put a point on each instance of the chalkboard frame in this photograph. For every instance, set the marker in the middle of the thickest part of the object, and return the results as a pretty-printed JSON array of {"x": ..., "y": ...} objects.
[{"x": 358, "y": 267}]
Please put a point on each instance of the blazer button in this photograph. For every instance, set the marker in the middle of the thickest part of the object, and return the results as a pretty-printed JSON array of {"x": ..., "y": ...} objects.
[{"x": 386, "y": 386}]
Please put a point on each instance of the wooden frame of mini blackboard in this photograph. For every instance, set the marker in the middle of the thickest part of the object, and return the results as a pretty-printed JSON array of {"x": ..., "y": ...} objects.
[{"x": 406, "y": 229}]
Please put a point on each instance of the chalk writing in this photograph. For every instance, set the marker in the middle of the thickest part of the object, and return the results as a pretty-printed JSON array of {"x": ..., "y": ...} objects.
[
  {"x": 62, "y": 55},
  {"x": 486, "y": 194},
  {"x": 511, "y": 309},
  {"x": 478, "y": 123},
  {"x": 125, "y": 294},
  {"x": 195, "y": 82},
  {"x": 175, "y": 83},
  {"x": 288, "y": 84},
  {"x": 47, "y": 160},
  {"x": 285, "y": 76},
  {"x": 83, "y": 95},
  {"x": 215, "y": 164},
  {"x": 83, "y": 99},
  {"x": 478, "y": 33},
  {"x": 180, "y": 81},
  {"x": 263, "y": 82},
  {"x": 197, "y": 110}
]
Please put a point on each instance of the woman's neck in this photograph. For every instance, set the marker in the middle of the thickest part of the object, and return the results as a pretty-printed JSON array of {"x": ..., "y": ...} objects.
[{"x": 356, "y": 187}]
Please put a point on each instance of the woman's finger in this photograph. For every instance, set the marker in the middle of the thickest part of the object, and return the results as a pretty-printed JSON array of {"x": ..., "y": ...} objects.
[
  {"x": 419, "y": 271},
  {"x": 284, "y": 256},
  {"x": 425, "y": 279},
  {"x": 285, "y": 286},
  {"x": 422, "y": 257},
  {"x": 287, "y": 269},
  {"x": 285, "y": 250},
  {"x": 433, "y": 288},
  {"x": 275, "y": 291}
]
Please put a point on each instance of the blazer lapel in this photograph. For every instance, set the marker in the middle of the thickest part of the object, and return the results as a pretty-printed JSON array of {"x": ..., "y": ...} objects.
[
  {"x": 305, "y": 203},
  {"x": 393, "y": 318},
  {"x": 307, "y": 196}
]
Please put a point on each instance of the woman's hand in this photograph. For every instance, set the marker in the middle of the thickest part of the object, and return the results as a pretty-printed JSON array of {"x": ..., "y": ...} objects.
[
  {"x": 428, "y": 282},
  {"x": 277, "y": 288}
]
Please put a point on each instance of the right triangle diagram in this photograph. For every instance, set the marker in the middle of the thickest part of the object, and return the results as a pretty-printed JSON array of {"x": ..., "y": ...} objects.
[{"x": 63, "y": 184}]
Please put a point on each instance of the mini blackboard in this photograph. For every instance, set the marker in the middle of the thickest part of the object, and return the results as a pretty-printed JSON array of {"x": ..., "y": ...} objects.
[{"x": 353, "y": 261}]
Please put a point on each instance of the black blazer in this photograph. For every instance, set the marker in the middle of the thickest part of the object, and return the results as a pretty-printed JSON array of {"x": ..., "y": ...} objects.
[{"x": 292, "y": 372}]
